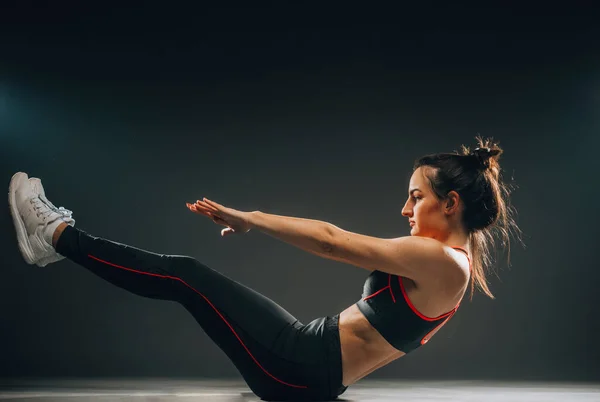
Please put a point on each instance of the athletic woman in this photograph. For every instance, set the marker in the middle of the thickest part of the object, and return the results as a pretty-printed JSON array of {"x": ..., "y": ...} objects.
[{"x": 456, "y": 204}]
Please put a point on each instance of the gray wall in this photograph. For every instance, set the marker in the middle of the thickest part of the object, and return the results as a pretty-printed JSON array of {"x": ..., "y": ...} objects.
[{"x": 125, "y": 121}]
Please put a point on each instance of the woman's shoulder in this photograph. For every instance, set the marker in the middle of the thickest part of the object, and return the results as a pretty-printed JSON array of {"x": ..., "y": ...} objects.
[{"x": 437, "y": 261}]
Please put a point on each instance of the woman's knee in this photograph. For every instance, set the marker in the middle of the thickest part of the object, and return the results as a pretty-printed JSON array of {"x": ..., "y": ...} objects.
[
  {"x": 181, "y": 268},
  {"x": 180, "y": 265}
]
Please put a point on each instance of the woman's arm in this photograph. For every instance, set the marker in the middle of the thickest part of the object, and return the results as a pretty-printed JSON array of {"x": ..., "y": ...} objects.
[
  {"x": 414, "y": 257},
  {"x": 313, "y": 236},
  {"x": 411, "y": 256}
]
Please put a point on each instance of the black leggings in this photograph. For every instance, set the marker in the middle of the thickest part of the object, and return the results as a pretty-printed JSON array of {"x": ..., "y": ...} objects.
[{"x": 279, "y": 357}]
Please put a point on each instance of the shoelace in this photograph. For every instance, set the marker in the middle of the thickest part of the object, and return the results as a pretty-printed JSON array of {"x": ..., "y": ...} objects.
[
  {"x": 44, "y": 210},
  {"x": 60, "y": 210}
]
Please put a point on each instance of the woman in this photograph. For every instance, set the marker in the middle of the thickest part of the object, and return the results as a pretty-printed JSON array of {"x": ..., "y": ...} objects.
[{"x": 455, "y": 200}]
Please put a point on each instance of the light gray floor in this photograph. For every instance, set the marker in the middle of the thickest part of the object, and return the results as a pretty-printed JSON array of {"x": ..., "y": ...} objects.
[{"x": 163, "y": 390}]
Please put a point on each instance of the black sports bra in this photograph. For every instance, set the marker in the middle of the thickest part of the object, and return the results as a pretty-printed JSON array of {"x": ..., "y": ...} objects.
[{"x": 389, "y": 310}]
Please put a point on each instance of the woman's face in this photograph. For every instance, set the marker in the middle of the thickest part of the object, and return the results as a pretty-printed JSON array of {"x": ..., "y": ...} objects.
[{"x": 423, "y": 209}]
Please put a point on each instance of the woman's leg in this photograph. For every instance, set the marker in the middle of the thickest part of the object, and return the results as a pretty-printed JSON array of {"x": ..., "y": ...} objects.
[{"x": 278, "y": 356}]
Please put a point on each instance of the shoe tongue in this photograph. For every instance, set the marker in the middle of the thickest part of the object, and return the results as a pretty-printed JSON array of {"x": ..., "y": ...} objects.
[
  {"x": 62, "y": 213},
  {"x": 47, "y": 203}
]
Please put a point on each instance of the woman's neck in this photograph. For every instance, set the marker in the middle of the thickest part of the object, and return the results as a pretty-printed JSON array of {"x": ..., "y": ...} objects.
[{"x": 457, "y": 239}]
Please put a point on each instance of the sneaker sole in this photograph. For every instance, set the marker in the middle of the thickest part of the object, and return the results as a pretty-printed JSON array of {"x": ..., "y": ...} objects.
[{"x": 22, "y": 238}]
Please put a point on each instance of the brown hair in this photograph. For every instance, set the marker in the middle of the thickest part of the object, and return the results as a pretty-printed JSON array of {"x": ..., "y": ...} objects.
[{"x": 487, "y": 215}]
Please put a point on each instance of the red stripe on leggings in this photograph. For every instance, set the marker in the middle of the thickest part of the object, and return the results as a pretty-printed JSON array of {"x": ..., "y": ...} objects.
[{"x": 208, "y": 301}]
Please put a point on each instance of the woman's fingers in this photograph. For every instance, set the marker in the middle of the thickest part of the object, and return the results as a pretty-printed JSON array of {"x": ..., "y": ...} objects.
[
  {"x": 206, "y": 205},
  {"x": 227, "y": 231},
  {"x": 206, "y": 212},
  {"x": 198, "y": 209},
  {"x": 211, "y": 203},
  {"x": 202, "y": 207},
  {"x": 210, "y": 212}
]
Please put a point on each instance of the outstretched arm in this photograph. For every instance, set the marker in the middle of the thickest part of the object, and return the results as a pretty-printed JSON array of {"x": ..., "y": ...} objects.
[
  {"x": 414, "y": 257},
  {"x": 310, "y": 235},
  {"x": 313, "y": 236},
  {"x": 409, "y": 256}
]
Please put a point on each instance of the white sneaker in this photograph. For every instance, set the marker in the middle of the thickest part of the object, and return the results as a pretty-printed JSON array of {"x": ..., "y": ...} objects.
[
  {"x": 35, "y": 219},
  {"x": 36, "y": 185}
]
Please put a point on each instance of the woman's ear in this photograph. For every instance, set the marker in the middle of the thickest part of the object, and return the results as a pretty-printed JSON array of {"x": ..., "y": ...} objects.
[{"x": 452, "y": 202}]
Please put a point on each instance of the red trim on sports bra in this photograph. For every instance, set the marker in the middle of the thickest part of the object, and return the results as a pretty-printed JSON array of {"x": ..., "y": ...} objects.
[
  {"x": 389, "y": 286},
  {"x": 414, "y": 309},
  {"x": 466, "y": 253},
  {"x": 214, "y": 308},
  {"x": 431, "y": 333},
  {"x": 375, "y": 294}
]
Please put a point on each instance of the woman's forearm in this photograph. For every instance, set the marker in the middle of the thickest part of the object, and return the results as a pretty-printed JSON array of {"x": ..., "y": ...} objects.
[{"x": 310, "y": 235}]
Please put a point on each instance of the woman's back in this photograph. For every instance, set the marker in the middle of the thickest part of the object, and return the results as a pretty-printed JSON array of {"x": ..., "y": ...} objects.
[{"x": 365, "y": 349}]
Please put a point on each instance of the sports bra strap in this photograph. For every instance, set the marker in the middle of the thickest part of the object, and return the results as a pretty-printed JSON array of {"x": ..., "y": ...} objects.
[{"x": 466, "y": 253}]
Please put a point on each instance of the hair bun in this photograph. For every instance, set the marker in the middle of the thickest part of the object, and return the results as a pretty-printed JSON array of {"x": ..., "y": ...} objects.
[{"x": 484, "y": 154}]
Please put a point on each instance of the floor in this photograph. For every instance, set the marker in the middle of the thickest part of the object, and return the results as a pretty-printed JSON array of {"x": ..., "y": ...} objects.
[{"x": 163, "y": 390}]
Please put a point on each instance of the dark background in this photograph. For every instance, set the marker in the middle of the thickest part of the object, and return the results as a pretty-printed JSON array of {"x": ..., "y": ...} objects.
[{"x": 127, "y": 113}]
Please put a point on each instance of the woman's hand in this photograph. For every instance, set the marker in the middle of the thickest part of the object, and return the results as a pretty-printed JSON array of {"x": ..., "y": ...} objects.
[{"x": 234, "y": 221}]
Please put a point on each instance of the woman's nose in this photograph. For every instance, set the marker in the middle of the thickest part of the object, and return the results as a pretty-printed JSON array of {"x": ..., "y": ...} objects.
[{"x": 406, "y": 211}]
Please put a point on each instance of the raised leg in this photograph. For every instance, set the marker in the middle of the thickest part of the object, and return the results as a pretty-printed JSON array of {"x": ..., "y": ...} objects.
[{"x": 277, "y": 355}]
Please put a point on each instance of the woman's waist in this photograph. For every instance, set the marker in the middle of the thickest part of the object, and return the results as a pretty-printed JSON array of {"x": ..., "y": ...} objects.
[
  {"x": 361, "y": 335},
  {"x": 363, "y": 348}
]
